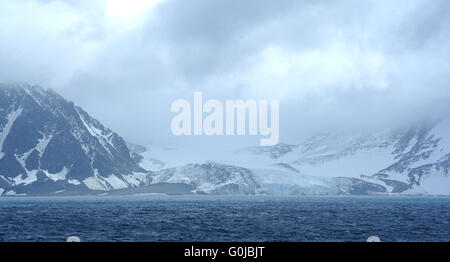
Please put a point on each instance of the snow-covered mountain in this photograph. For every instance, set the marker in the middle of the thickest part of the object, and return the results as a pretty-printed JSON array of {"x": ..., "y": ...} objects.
[
  {"x": 50, "y": 146},
  {"x": 414, "y": 160},
  {"x": 47, "y": 144},
  {"x": 247, "y": 171}
]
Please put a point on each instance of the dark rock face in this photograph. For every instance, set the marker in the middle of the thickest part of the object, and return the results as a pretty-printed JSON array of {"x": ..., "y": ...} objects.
[
  {"x": 419, "y": 152},
  {"x": 48, "y": 144}
]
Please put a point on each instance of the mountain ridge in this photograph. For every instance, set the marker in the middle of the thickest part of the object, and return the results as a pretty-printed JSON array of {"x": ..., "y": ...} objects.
[
  {"x": 48, "y": 140},
  {"x": 50, "y": 146}
]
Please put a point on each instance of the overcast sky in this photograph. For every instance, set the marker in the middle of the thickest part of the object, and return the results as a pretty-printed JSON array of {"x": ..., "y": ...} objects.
[{"x": 350, "y": 64}]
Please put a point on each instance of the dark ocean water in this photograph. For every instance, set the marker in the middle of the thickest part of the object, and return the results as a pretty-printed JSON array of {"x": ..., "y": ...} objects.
[{"x": 205, "y": 218}]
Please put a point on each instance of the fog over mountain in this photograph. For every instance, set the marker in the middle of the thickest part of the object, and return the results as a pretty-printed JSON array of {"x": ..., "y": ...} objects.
[{"x": 349, "y": 65}]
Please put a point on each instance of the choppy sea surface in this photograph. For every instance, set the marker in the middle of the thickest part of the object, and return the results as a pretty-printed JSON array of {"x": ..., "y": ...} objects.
[{"x": 214, "y": 218}]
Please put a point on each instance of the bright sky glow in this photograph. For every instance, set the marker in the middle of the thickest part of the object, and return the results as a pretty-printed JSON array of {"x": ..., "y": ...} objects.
[{"x": 128, "y": 12}]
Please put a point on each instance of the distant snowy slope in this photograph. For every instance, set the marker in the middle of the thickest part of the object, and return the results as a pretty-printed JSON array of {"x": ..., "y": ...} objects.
[{"x": 415, "y": 160}]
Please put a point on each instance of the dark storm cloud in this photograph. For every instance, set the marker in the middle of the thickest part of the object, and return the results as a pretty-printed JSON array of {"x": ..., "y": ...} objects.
[{"x": 333, "y": 64}]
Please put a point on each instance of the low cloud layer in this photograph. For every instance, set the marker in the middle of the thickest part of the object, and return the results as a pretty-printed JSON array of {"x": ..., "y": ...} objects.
[{"x": 334, "y": 65}]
